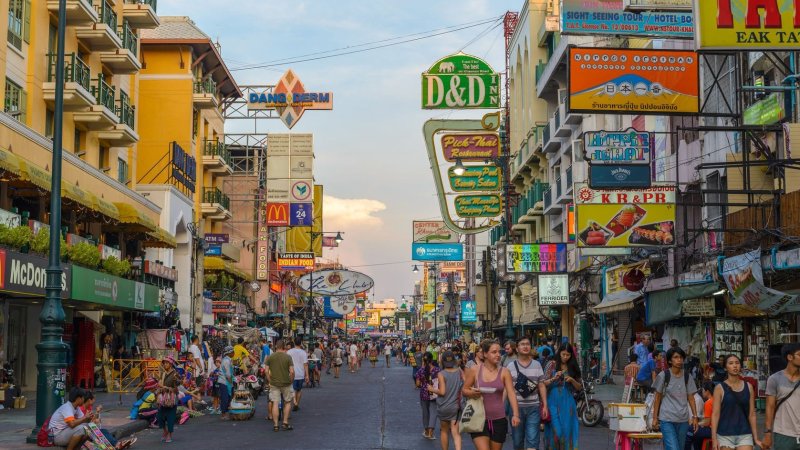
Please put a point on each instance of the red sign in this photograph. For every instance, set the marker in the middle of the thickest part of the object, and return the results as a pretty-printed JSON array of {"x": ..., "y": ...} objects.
[
  {"x": 275, "y": 286},
  {"x": 480, "y": 146},
  {"x": 223, "y": 307},
  {"x": 160, "y": 270},
  {"x": 277, "y": 214}
]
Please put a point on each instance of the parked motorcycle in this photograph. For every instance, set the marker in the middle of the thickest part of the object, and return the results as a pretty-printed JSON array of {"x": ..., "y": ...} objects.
[{"x": 589, "y": 410}]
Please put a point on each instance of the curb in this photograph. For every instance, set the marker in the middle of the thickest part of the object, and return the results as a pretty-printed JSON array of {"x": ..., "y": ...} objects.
[{"x": 130, "y": 428}]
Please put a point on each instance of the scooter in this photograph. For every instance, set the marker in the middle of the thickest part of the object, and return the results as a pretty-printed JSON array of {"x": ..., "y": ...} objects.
[{"x": 589, "y": 410}]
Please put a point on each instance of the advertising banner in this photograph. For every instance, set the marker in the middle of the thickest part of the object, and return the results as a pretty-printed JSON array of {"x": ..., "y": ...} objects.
[
  {"x": 478, "y": 206},
  {"x": 619, "y": 176},
  {"x": 471, "y": 147},
  {"x": 554, "y": 289},
  {"x": 745, "y": 281},
  {"x": 262, "y": 253},
  {"x": 433, "y": 231},
  {"x": 277, "y": 214},
  {"x": 290, "y": 99},
  {"x": 336, "y": 283},
  {"x": 608, "y": 17},
  {"x": 617, "y": 147},
  {"x": 747, "y": 25},
  {"x": 296, "y": 261},
  {"x": 625, "y": 218},
  {"x": 766, "y": 112},
  {"x": 460, "y": 81},
  {"x": 469, "y": 311},
  {"x": 533, "y": 258},
  {"x": 658, "y": 5},
  {"x": 612, "y": 278},
  {"x": 97, "y": 287},
  {"x": 486, "y": 178},
  {"x": 437, "y": 252},
  {"x": 632, "y": 81},
  {"x": 22, "y": 273},
  {"x": 298, "y": 238}
]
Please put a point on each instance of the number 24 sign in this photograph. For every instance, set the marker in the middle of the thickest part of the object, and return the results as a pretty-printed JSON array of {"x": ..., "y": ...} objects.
[{"x": 301, "y": 214}]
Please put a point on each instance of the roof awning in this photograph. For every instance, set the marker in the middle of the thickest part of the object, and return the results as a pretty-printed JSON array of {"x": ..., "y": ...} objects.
[
  {"x": 132, "y": 216},
  {"x": 34, "y": 174},
  {"x": 663, "y": 306},
  {"x": 76, "y": 194},
  {"x": 9, "y": 162},
  {"x": 217, "y": 263},
  {"x": 106, "y": 208},
  {"x": 617, "y": 301},
  {"x": 160, "y": 239}
]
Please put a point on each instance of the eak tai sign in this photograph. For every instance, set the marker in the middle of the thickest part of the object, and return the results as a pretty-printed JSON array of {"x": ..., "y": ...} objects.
[
  {"x": 748, "y": 24},
  {"x": 26, "y": 274}
]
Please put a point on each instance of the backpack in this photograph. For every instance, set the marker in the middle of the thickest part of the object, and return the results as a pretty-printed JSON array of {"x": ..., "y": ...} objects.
[
  {"x": 135, "y": 408},
  {"x": 668, "y": 375},
  {"x": 43, "y": 436}
]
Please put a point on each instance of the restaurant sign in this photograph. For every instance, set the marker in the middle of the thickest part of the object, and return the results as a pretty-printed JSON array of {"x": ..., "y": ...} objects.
[
  {"x": 335, "y": 283},
  {"x": 296, "y": 261},
  {"x": 471, "y": 147},
  {"x": 22, "y": 273}
]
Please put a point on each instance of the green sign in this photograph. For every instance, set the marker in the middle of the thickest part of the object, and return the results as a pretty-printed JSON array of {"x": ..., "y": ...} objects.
[
  {"x": 765, "y": 112},
  {"x": 476, "y": 178},
  {"x": 460, "y": 81},
  {"x": 97, "y": 287},
  {"x": 478, "y": 205}
]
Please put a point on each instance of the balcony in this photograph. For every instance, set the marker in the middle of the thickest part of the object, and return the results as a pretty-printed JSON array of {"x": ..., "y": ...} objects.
[
  {"x": 536, "y": 196},
  {"x": 569, "y": 118},
  {"x": 557, "y": 59},
  {"x": 77, "y": 83},
  {"x": 564, "y": 187},
  {"x": 215, "y": 205},
  {"x": 102, "y": 115},
  {"x": 205, "y": 94},
  {"x": 141, "y": 13},
  {"x": 101, "y": 35},
  {"x": 123, "y": 61},
  {"x": 79, "y": 12},
  {"x": 551, "y": 205},
  {"x": 123, "y": 133},
  {"x": 551, "y": 144},
  {"x": 217, "y": 157},
  {"x": 569, "y": 181}
]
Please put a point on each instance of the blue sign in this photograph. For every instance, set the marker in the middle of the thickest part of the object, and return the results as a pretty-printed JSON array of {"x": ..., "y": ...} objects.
[
  {"x": 214, "y": 250},
  {"x": 421, "y": 251},
  {"x": 301, "y": 214},
  {"x": 469, "y": 313},
  {"x": 328, "y": 312},
  {"x": 619, "y": 176},
  {"x": 609, "y": 17}
]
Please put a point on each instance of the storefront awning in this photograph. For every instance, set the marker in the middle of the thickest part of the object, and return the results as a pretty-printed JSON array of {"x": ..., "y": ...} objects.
[
  {"x": 106, "y": 208},
  {"x": 76, "y": 194},
  {"x": 160, "y": 239},
  {"x": 132, "y": 216},
  {"x": 217, "y": 263},
  {"x": 663, "y": 306},
  {"x": 9, "y": 162},
  {"x": 617, "y": 301},
  {"x": 34, "y": 174}
]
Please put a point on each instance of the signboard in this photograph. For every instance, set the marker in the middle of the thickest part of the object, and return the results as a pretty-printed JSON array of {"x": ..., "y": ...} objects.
[
  {"x": 433, "y": 231},
  {"x": 213, "y": 250},
  {"x": 478, "y": 206},
  {"x": 612, "y": 277},
  {"x": 184, "y": 168},
  {"x": 619, "y": 176},
  {"x": 533, "y": 258},
  {"x": 301, "y": 191},
  {"x": 554, "y": 289},
  {"x": 469, "y": 311},
  {"x": 223, "y": 307},
  {"x": 277, "y": 214},
  {"x": 301, "y": 214},
  {"x": 486, "y": 178},
  {"x": 625, "y": 218},
  {"x": 437, "y": 252},
  {"x": 471, "y": 147},
  {"x": 160, "y": 270},
  {"x": 745, "y": 281},
  {"x": 217, "y": 238},
  {"x": 22, "y": 273},
  {"x": 290, "y": 99},
  {"x": 97, "y": 287},
  {"x": 296, "y": 261},
  {"x": 608, "y": 17},
  {"x": 628, "y": 81},
  {"x": 335, "y": 282},
  {"x": 658, "y": 5},
  {"x": 699, "y": 307},
  {"x": 262, "y": 253},
  {"x": 766, "y": 112},
  {"x": 460, "y": 81},
  {"x": 747, "y": 25},
  {"x": 617, "y": 147}
]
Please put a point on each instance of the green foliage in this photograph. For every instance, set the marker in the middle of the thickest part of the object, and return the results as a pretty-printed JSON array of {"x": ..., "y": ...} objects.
[
  {"x": 41, "y": 243},
  {"x": 115, "y": 267},
  {"x": 17, "y": 237},
  {"x": 84, "y": 254},
  {"x": 210, "y": 280}
]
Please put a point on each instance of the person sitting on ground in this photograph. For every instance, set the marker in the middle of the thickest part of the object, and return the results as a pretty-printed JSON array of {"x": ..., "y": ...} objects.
[
  {"x": 145, "y": 407},
  {"x": 88, "y": 408},
  {"x": 68, "y": 424}
]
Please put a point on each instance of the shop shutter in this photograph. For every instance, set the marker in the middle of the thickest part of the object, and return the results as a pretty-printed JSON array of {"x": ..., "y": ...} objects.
[{"x": 625, "y": 337}]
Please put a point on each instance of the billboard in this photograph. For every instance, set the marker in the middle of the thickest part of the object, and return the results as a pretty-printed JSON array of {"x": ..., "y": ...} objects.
[
  {"x": 437, "y": 252},
  {"x": 625, "y": 218},
  {"x": 469, "y": 311},
  {"x": 433, "y": 231},
  {"x": 554, "y": 289},
  {"x": 617, "y": 147},
  {"x": 460, "y": 81},
  {"x": 619, "y": 176},
  {"x": 608, "y": 17},
  {"x": 533, "y": 258},
  {"x": 471, "y": 147},
  {"x": 628, "y": 81},
  {"x": 290, "y": 99},
  {"x": 747, "y": 25}
]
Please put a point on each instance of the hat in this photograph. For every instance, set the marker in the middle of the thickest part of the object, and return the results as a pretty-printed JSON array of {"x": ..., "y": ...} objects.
[
  {"x": 169, "y": 359},
  {"x": 151, "y": 383},
  {"x": 448, "y": 359},
  {"x": 228, "y": 349}
]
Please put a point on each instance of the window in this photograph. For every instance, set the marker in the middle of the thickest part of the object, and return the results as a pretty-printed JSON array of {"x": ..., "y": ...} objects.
[
  {"x": 102, "y": 160},
  {"x": 15, "y": 100},
  {"x": 19, "y": 22},
  {"x": 122, "y": 171},
  {"x": 76, "y": 144},
  {"x": 195, "y": 121},
  {"x": 49, "y": 123}
]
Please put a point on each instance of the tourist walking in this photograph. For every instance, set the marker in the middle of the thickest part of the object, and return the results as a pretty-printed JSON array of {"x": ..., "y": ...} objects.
[
  {"x": 353, "y": 357},
  {"x": 510, "y": 353},
  {"x": 492, "y": 382},
  {"x": 300, "y": 360},
  {"x": 563, "y": 379},
  {"x": 280, "y": 376},
  {"x": 733, "y": 418},
  {"x": 387, "y": 353},
  {"x": 427, "y": 400},
  {"x": 448, "y": 400},
  {"x": 225, "y": 381},
  {"x": 167, "y": 398},
  {"x": 477, "y": 358},
  {"x": 674, "y": 392},
  {"x": 373, "y": 354},
  {"x": 783, "y": 403},
  {"x": 531, "y": 394}
]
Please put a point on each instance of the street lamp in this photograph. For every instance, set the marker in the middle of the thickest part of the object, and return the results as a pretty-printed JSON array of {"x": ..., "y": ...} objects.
[
  {"x": 459, "y": 168},
  {"x": 310, "y": 314},
  {"x": 415, "y": 269}
]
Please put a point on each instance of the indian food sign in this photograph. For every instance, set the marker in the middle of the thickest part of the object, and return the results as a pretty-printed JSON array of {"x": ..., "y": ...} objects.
[
  {"x": 748, "y": 24},
  {"x": 625, "y": 218}
]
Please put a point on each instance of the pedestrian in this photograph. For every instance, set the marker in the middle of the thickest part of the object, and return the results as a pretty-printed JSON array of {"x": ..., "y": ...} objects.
[
  {"x": 373, "y": 354},
  {"x": 167, "y": 398},
  {"x": 412, "y": 360},
  {"x": 448, "y": 399},
  {"x": 198, "y": 364},
  {"x": 510, "y": 354},
  {"x": 328, "y": 355},
  {"x": 733, "y": 420},
  {"x": 492, "y": 382},
  {"x": 213, "y": 379},
  {"x": 545, "y": 356},
  {"x": 648, "y": 371},
  {"x": 387, "y": 353},
  {"x": 717, "y": 370},
  {"x": 265, "y": 350},
  {"x": 318, "y": 356},
  {"x": 477, "y": 358},
  {"x": 704, "y": 424},
  {"x": 225, "y": 381},
  {"x": 337, "y": 355},
  {"x": 427, "y": 400},
  {"x": 783, "y": 403},
  {"x": 67, "y": 424},
  {"x": 546, "y": 345},
  {"x": 353, "y": 357},
  {"x": 527, "y": 375},
  {"x": 280, "y": 376},
  {"x": 300, "y": 360},
  {"x": 563, "y": 379},
  {"x": 418, "y": 358},
  {"x": 674, "y": 390}
]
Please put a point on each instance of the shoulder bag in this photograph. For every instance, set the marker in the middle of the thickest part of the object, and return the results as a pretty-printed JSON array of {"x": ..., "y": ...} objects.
[{"x": 473, "y": 416}]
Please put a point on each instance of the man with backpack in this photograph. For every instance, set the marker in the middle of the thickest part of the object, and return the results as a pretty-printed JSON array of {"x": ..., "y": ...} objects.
[
  {"x": 783, "y": 404},
  {"x": 674, "y": 390},
  {"x": 527, "y": 374}
]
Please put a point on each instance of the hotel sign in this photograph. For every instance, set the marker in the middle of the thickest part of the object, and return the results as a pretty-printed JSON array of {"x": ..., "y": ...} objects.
[{"x": 460, "y": 81}]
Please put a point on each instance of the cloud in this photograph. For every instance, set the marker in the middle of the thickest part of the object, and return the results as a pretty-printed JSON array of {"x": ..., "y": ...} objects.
[{"x": 352, "y": 212}]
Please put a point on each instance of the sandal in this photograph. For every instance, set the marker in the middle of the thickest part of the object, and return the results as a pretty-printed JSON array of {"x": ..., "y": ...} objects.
[
  {"x": 287, "y": 427},
  {"x": 276, "y": 428}
]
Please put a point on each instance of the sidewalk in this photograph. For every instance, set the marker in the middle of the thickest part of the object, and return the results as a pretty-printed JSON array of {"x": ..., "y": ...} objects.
[{"x": 16, "y": 424}]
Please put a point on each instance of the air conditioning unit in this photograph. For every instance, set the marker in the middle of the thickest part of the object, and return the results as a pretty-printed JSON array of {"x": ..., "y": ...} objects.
[
  {"x": 578, "y": 154},
  {"x": 562, "y": 95}
]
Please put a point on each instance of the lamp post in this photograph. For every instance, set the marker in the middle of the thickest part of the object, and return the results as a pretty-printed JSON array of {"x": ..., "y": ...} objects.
[
  {"x": 504, "y": 164},
  {"x": 310, "y": 314},
  {"x": 51, "y": 349}
]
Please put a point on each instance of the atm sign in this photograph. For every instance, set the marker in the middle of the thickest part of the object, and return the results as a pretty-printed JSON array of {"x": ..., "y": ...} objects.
[{"x": 277, "y": 214}]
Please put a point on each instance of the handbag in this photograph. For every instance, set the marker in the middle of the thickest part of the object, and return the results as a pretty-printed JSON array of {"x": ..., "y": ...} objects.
[
  {"x": 166, "y": 398},
  {"x": 524, "y": 385},
  {"x": 473, "y": 416}
]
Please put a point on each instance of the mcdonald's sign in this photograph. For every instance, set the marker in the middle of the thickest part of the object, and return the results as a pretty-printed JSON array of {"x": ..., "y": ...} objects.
[{"x": 278, "y": 214}]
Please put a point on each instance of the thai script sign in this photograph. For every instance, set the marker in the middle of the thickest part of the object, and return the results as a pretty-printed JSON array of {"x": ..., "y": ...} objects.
[
  {"x": 699, "y": 307},
  {"x": 478, "y": 205},
  {"x": 554, "y": 289},
  {"x": 335, "y": 283},
  {"x": 748, "y": 24},
  {"x": 469, "y": 311},
  {"x": 460, "y": 81},
  {"x": 632, "y": 81},
  {"x": 609, "y": 17},
  {"x": 433, "y": 231},
  {"x": 474, "y": 147},
  {"x": 160, "y": 270},
  {"x": 533, "y": 258},
  {"x": 766, "y": 112},
  {"x": 617, "y": 147},
  {"x": 437, "y": 252},
  {"x": 290, "y": 99},
  {"x": 476, "y": 178}
]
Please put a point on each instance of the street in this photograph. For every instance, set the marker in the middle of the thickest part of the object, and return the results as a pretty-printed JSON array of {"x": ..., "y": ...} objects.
[{"x": 372, "y": 409}]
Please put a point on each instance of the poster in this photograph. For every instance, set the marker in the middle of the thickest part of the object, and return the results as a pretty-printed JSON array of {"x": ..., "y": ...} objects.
[{"x": 745, "y": 281}]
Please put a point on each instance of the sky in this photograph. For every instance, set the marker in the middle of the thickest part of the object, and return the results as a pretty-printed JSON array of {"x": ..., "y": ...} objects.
[{"x": 369, "y": 150}]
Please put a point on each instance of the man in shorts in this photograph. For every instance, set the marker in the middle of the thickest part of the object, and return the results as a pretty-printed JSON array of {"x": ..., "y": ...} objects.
[
  {"x": 280, "y": 375},
  {"x": 353, "y": 357},
  {"x": 783, "y": 403},
  {"x": 68, "y": 424},
  {"x": 300, "y": 360}
]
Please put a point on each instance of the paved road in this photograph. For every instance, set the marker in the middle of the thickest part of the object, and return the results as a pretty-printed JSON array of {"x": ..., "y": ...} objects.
[{"x": 372, "y": 409}]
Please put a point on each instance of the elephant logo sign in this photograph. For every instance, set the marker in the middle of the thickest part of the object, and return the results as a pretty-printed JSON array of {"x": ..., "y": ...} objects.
[{"x": 447, "y": 67}]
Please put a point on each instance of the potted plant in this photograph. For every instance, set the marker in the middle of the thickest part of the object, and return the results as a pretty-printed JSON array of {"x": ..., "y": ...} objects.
[
  {"x": 115, "y": 267},
  {"x": 84, "y": 254},
  {"x": 41, "y": 243},
  {"x": 18, "y": 238}
]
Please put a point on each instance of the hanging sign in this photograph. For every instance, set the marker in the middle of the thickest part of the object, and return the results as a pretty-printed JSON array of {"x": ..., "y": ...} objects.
[
  {"x": 478, "y": 206},
  {"x": 554, "y": 289},
  {"x": 433, "y": 231},
  {"x": 476, "y": 178},
  {"x": 335, "y": 282},
  {"x": 745, "y": 281},
  {"x": 421, "y": 251},
  {"x": 471, "y": 147},
  {"x": 617, "y": 147},
  {"x": 290, "y": 99},
  {"x": 533, "y": 258},
  {"x": 460, "y": 81},
  {"x": 699, "y": 307},
  {"x": 619, "y": 176},
  {"x": 296, "y": 261}
]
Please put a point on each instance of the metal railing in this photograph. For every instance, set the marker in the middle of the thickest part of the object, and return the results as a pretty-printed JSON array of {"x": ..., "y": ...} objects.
[
  {"x": 106, "y": 15},
  {"x": 546, "y": 134},
  {"x": 540, "y": 70},
  {"x": 217, "y": 148},
  {"x": 225, "y": 294},
  {"x": 75, "y": 70},
  {"x": 104, "y": 93},
  {"x": 214, "y": 195},
  {"x": 536, "y": 193},
  {"x": 129, "y": 39},
  {"x": 558, "y": 186},
  {"x": 569, "y": 179},
  {"x": 557, "y": 117},
  {"x": 205, "y": 87},
  {"x": 129, "y": 375},
  {"x": 125, "y": 111},
  {"x": 548, "y": 197},
  {"x": 150, "y": 3}
]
